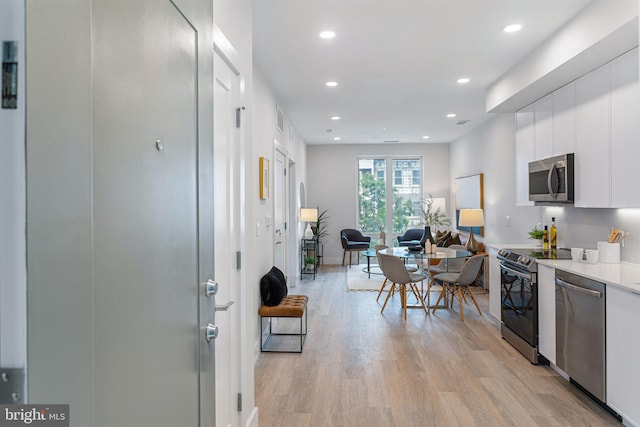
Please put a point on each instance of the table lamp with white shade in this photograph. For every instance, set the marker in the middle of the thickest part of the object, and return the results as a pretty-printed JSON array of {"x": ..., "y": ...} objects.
[
  {"x": 309, "y": 215},
  {"x": 471, "y": 218}
]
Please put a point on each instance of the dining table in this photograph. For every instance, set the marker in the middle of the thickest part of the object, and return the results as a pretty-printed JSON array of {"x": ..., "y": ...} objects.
[{"x": 423, "y": 258}]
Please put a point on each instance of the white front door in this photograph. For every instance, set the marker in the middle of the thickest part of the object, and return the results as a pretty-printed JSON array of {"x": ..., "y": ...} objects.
[
  {"x": 226, "y": 163},
  {"x": 280, "y": 212}
]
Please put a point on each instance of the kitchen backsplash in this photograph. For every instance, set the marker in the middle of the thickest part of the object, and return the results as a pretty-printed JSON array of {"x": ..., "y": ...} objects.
[{"x": 584, "y": 227}]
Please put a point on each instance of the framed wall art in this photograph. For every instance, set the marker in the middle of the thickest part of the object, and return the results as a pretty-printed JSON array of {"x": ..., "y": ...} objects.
[{"x": 264, "y": 178}]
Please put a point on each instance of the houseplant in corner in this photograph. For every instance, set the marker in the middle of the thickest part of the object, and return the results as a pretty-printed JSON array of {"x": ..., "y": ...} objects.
[{"x": 432, "y": 218}]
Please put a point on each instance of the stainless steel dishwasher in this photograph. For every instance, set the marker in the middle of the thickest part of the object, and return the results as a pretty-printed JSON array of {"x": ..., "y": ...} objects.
[{"x": 580, "y": 331}]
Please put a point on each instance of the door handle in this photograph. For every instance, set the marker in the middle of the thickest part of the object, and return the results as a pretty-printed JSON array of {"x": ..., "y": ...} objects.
[
  {"x": 211, "y": 332},
  {"x": 549, "y": 186},
  {"x": 224, "y": 307},
  {"x": 211, "y": 288},
  {"x": 579, "y": 289}
]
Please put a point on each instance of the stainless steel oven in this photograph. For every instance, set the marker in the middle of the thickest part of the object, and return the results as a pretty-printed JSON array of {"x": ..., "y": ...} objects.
[
  {"x": 551, "y": 181},
  {"x": 519, "y": 298}
]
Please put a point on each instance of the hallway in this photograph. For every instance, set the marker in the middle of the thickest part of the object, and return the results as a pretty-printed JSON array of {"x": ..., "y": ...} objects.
[{"x": 361, "y": 368}]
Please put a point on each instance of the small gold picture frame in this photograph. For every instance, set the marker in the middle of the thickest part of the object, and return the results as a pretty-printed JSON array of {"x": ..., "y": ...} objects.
[{"x": 264, "y": 178}]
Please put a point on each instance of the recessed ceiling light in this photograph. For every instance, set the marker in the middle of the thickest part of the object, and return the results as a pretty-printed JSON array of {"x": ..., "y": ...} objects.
[
  {"x": 335, "y": 117},
  {"x": 463, "y": 80},
  {"x": 426, "y": 137},
  {"x": 512, "y": 28},
  {"x": 327, "y": 35},
  {"x": 451, "y": 115},
  {"x": 337, "y": 138},
  {"x": 332, "y": 84}
]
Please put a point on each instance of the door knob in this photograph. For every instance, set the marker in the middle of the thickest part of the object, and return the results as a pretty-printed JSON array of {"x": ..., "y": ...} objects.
[
  {"x": 211, "y": 332},
  {"x": 211, "y": 288}
]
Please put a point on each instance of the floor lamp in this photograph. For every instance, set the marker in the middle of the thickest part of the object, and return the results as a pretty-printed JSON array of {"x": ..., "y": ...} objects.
[{"x": 471, "y": 218}]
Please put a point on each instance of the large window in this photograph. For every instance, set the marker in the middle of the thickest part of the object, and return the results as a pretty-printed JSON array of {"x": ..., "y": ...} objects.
[{"x": 389, "y": 194}]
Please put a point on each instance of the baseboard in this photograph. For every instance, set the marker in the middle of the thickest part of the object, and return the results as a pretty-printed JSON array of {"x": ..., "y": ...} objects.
[{"x": 252, "y": 420}]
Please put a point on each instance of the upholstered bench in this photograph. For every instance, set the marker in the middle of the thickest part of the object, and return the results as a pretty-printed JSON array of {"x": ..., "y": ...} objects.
[{"x": 292, "y": 306}]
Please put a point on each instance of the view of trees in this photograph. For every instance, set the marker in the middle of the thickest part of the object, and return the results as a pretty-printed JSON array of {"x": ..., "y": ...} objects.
[{"x": 373, "y": 206}]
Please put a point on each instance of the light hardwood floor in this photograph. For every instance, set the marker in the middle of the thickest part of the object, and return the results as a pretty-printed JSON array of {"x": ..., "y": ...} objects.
[{"x": 363, "y": 368}]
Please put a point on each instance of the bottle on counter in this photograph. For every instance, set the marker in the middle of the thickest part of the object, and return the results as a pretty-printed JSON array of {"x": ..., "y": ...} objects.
[
  {"x": 545, "y": 239},
  {"x": 553, "y": 234}
]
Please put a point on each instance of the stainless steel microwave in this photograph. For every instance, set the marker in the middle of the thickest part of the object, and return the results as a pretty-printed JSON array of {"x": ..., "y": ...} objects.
[{"x": 551, "y": 180}]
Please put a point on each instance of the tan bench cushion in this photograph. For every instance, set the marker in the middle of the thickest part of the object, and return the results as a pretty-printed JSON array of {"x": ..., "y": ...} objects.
[{"x": 291, "y": 306}]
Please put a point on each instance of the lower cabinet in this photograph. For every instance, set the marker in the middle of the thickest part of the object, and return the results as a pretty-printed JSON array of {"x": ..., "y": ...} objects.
[
  {"x": 547, "y": 312},
  {"x": 623, "y": 348}
]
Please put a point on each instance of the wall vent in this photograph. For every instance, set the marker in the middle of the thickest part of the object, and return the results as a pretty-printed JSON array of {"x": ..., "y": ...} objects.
[{"x": 280, "y": 119}]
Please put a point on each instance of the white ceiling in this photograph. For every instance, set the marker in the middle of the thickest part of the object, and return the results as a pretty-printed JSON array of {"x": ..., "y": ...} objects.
[{"x": 396, "y": 62}]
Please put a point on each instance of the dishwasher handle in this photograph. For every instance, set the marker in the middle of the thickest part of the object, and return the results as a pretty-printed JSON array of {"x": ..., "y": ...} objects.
[{"x": 579, "y": 289}]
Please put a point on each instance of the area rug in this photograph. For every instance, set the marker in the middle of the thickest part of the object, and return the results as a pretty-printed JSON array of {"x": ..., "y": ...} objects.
[{"x": 358, "y": 280}]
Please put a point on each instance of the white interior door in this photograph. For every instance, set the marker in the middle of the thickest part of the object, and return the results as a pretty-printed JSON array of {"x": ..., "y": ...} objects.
[
  {"x": 146, "y": 335},
  {"x": 280, "y": 212},
  {"x": 226, "y": 159}
]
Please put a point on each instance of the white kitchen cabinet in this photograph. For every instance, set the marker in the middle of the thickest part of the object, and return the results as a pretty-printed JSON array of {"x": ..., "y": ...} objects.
[
  {"x": 623, "y": 348},
  {"x": 564, "y": 120},
  {"x": 494, "y": 284},
  {"x": 543, "y": 127},
  {"x": 547, "y": 312},
  {"x": 593, "y": 127},
  {"x": 625, "y": 131},
  {"x": 524, "y": 153}
]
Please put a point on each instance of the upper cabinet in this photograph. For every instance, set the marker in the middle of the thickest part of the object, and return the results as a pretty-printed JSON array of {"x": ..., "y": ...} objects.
[
  {"x": 593, "y": 127},
  {"x": 525, "y": 144},
  {"x": 597, "y": 118},
  {"x": 564, "y": 120},
  {"x": 625, "y": 131},
  {"x": 543, "y": 126}
]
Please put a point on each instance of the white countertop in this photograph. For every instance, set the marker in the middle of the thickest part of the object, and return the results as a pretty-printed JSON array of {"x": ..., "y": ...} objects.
[{"x": 623, "y": 275}]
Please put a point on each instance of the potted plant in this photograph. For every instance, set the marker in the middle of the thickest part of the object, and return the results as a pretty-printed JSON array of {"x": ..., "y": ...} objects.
[
  {"x": 320, "y": 227},
  {"x": 432, "y": 218},
  {"x": 536, "y": 234},
  {"x": 309, "y": 261}
]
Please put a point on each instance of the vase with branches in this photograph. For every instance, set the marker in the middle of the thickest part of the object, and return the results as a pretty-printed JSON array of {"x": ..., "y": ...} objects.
[{"x": 433, "y": 217}]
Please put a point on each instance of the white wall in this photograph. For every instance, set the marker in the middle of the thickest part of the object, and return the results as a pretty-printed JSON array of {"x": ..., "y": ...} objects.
[
  {"x": 490, "y": 149},
  {"x": 13, "y": 281},
  {"x": 332, "y": 172}
]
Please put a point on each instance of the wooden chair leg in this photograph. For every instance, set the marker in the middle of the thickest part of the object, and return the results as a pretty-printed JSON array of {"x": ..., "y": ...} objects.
[
  {"x": 344, "y": 253},
  {"x": 419, "y": 295},
  {"x": 386, "y": 300},
  {"x": 460, "y": 299},
  {"x": 403, "y": 296},
  {"x": 381, "y": 289},
  {"x": 442, "y": 292},
  {"x": 350, "y": 262},
  {"x": 474, "y": 300}
]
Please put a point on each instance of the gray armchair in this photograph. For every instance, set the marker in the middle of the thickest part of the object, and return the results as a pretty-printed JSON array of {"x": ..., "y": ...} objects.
[
  {"x": 411, "y": 237},
  {"x": 353, "y": 240}
]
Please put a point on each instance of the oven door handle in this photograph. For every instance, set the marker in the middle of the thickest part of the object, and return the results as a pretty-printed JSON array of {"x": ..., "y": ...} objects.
[
  {"x": 579, "y": 289},
  {"x": 516, "y": 272}
]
